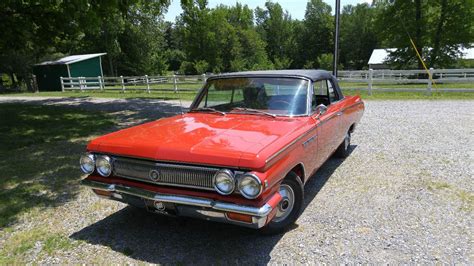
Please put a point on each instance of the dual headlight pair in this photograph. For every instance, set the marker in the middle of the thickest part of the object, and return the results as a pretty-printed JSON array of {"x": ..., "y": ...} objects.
[
  {"x": 248, "y": 184},
  {"x": 89, "y": 162},
  {"x": 224, "y": 181}
]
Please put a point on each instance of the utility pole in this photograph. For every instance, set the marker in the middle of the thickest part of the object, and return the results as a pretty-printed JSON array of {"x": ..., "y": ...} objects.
[{"x": 336, "y": 37}]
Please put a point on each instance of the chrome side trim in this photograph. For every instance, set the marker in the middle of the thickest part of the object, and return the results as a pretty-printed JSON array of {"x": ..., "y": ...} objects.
[
  {"x": 289, "y": 145},
  {"x": 322, "y": 122},
  {"x": 178, "y": 199},
  {"x": 353, "y": 105}
]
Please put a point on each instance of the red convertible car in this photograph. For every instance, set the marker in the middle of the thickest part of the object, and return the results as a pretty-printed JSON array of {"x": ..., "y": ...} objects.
[{"x": 241, "y": 155}]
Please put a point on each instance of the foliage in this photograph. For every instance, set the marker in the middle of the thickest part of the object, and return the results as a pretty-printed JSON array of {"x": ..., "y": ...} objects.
[
  {"x": 33, "y": 31},
  {"x": 325, "y": 61},
  {"x": 223, "y": 37},
  {"x": 227, "y": 38},
  {"x": 317, "y": 34},
  {"x": 358, "y": 36},
  {"x": 43, "y": 142},
  {"x": 277, "y": 30},
  {"x": 439, "y": 28}
]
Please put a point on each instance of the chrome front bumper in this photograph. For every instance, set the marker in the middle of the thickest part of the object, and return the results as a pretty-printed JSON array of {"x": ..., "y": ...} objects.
[{"x": 191, "y": 206}]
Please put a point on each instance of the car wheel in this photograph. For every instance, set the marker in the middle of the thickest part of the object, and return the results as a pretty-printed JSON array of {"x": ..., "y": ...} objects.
[
  {"x": 343, "y": 149},
  {"x": 289, "y": 208}
]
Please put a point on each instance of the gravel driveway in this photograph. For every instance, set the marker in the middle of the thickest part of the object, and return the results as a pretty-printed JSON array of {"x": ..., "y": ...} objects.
[{"x": 404, "y": 195}]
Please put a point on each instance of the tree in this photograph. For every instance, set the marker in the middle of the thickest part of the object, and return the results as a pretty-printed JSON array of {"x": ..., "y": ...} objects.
[
  {"x": 224, "y": 37},
  {"x": 454, "y": 29},
  {"x": 276, "y": 28},
  {"x": 358, "y": 37},
  {"x": 439, "y": 29},
  {"x": 37, "y": 30},
  {"x": 317, "y": 34}
]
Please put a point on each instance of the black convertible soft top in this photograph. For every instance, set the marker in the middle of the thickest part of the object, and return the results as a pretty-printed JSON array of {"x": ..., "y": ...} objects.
[{"x": 312, "y": 74}]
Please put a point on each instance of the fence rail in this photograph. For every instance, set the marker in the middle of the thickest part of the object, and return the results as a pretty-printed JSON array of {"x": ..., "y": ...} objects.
[
  {"x": 383, "y": 76},
  {"x": 373, "y": 78},
  {"x": 124, "y": 83}
]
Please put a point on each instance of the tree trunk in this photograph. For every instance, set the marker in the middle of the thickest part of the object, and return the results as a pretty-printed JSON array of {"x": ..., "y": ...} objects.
[
  {"x": 438, "y": 33},
  {"x": 111, "y": 67},
  {"x": 14, "y": 84}
]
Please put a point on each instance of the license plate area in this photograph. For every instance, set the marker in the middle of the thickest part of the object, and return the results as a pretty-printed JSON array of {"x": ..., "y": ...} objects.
[{"x": 160, "y": 207}]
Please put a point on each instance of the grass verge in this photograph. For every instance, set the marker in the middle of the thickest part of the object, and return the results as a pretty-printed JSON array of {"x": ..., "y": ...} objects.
[
  {"x": 405, "y": 95},
  {"x": 39, "y": 149},
  {"x": 36, "y": 242}
]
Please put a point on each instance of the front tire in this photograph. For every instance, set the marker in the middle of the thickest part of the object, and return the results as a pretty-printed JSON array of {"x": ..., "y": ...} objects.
[{"x": 289, "y": 208}]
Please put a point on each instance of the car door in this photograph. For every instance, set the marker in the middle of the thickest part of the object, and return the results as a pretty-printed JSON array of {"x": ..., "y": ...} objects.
[
  {"x": 337, "y": 102},
  {"x": 328, "y": 122}
]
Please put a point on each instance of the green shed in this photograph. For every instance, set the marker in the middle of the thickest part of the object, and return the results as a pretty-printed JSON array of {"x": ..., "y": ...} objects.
[{"x": 48, "y": 73}]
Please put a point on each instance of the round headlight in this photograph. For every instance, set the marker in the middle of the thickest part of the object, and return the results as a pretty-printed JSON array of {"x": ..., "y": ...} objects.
[
  {"x": 224, "y": 182},
  {"x": 103, "y": 165},
  {"x": 87, "y": 163},
  {"x": 250, "y": 186}
]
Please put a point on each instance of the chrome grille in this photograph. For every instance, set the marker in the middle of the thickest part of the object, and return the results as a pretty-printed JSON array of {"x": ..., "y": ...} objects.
[{"x": 168, "y": 174}]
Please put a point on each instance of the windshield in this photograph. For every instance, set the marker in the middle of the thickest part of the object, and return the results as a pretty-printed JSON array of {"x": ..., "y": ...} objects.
[{"x": 275, "y": 96}]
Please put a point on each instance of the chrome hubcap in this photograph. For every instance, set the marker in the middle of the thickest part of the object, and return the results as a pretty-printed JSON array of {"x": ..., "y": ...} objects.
[{"x": 286, "y": 204}]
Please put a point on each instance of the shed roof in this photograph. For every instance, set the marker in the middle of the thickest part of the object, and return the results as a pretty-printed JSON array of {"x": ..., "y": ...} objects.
[
  {"x": 379, "y": 56},
  {"x": 312, "y": 74},
  {"x": 72, "y": 59}
]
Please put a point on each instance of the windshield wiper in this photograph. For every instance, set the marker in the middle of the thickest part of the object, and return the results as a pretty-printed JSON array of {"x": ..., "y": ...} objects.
[
  {"x": 250, "y": 110},
  {"x": 207, "y": 109}
]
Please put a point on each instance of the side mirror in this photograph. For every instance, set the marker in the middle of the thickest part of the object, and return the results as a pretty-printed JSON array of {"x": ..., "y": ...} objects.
[{"x": 321, "y": 109}]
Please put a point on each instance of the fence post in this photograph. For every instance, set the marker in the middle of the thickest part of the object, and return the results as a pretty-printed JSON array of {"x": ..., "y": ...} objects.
[
  {"x": 175, "y": 84},
  {"x": 62, "y": 84},
  {"x": 430, "y": 83},
  {"x": 80, "y": 84},
  {"x": 371, "y": 74},
  {"x": 100, "y": 82},
  {"x": 123, "y": 84},
  {"x": 204, "y": 78},
  {"x": 147, "y": 84}
]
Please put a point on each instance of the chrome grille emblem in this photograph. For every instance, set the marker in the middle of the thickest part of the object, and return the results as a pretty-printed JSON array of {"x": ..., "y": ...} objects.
[{"x": 154, "y": 175}]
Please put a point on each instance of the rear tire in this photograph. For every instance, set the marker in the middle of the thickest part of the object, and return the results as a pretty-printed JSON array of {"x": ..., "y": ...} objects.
[
  {"x": 343, "y": 149},
  {"x": 289, "y": 208}
]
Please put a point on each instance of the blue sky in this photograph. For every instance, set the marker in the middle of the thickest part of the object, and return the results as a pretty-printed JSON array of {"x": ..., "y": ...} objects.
[{"x": 295, "y": 7}]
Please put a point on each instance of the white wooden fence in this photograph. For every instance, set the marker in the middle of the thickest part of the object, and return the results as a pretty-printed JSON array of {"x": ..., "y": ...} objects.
[
  {"x": 384, "y": 76},
  {"x": 373, "y": 78},
  {"x": 124, "y": 83}
]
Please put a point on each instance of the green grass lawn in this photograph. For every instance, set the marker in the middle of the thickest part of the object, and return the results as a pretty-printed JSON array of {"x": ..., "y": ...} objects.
[
  {"x": 39, "y": 151},
  {"x": 189, "y": 95},
  {"x": 380, "y": 85},
  {"x": 406, "y": 95},
  {"x": 169, "y": 95}
]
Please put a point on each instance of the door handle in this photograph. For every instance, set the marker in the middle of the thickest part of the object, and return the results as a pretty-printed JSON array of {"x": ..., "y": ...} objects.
[{"x": 339, "y": 113}]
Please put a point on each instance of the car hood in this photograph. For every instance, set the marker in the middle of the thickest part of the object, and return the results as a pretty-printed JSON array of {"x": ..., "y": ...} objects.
[{"x": 234, "y": 140}]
